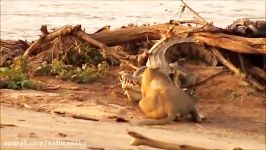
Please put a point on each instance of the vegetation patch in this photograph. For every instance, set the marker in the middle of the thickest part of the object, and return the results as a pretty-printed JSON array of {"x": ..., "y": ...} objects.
[
  {"x": 79, "y": 63},
  {"x": 84, "y": 74},
  {"x": 16, "y": 75}
]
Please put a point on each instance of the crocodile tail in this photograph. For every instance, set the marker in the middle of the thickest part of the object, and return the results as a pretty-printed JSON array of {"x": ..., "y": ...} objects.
[{"x": 191, "y": 50}]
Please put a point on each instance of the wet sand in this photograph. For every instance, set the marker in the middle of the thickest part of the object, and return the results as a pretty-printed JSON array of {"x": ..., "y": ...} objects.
[{"x": 32, "y": 126}]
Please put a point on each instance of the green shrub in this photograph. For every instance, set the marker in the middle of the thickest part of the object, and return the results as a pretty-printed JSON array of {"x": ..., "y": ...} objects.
[
  {"x": 16, "y": 75},
  {"x": 84, "y": 74}
]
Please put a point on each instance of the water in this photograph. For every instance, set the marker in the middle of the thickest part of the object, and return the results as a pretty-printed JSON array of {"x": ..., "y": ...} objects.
[{"x": 21, "y": 19}]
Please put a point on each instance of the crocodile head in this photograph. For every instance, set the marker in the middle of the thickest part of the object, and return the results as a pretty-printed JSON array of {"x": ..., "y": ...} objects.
[{"x": 131, "y": 86}]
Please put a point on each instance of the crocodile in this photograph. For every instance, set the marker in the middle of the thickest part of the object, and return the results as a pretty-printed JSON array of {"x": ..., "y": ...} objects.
[{"x": 165, "y": 56}]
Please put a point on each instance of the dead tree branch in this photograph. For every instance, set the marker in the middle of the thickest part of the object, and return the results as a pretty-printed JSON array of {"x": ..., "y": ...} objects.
[
  {"x": 195, "y": 13},
  {"x": 106, "y": 49},
  {"x": 46, "y": 38},
  {"x": 233, "y": 43},
  {"x": 225, "y": 62},
  {"x": 140, "y": 139}
]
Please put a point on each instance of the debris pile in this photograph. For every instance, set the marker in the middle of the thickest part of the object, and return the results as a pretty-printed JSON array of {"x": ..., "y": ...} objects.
[{"x": 72, "y": 54}]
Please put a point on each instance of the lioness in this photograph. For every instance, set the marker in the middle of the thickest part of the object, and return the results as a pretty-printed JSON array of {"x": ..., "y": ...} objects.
[{"x": 162, "y": 101}]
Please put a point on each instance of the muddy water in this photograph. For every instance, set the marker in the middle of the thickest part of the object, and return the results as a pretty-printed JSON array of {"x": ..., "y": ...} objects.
[{"x": 22, "y": 18}]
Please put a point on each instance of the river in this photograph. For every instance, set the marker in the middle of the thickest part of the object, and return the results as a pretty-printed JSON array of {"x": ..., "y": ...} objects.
[{"x": 21, "y": 19}]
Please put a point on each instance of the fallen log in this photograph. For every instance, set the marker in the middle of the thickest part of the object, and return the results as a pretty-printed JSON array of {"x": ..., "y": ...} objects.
[
  {"x": 233, "y": 43},
  {"x": 131, "y": 34},
  {"x": 154, "y": 32}
]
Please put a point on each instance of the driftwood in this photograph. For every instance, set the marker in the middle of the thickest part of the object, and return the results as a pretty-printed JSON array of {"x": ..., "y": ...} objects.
[
  {"x": 233, "y": 43},
  {"x": 49, "y": 37},
  {"x": 98, "y": 44},
  {"x": 155, "y": 32},
  {"x": 242, "y": 63},
  {"x": 248, "y": 28},
  {"x": 10, "y": 49},
  {"x": 131, "y": 34},
  {"x": 140, "y": 139},
  {"x": 105, "y": 48},
  {"x": 237, "y": 71},
  {"x": 229, "y": 42},
  {"x": 257, "y": 72},
  {"x": 225, "y": 61},
  {"x": 90, "y": 40},
  {"x": 84, "y": 117}
]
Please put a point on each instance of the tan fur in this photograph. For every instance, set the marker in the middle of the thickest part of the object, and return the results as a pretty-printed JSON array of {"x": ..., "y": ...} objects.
[{"x": 162, "y": 101}]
